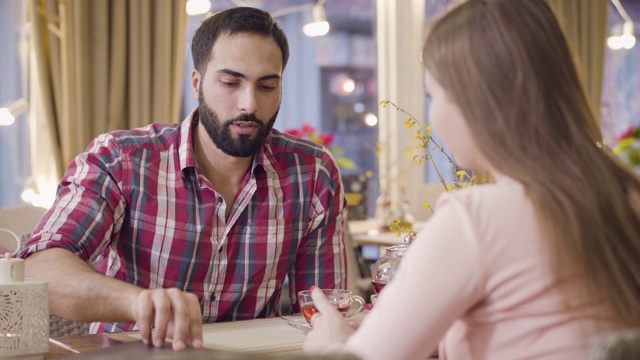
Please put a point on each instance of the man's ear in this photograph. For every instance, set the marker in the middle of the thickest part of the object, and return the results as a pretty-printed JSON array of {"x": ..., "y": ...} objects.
[{"x": 195, "y": 83}]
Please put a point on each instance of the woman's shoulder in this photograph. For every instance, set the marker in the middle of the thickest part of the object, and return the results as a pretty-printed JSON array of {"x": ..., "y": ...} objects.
[
  {"x": 505, "y": 192},
  {"x": 491, "y": 209}
]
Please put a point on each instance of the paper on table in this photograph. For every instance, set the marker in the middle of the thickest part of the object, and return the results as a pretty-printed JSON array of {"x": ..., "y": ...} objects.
[
  {"x": 259, "y": 336},
  {"x": 254, "y": 336}
]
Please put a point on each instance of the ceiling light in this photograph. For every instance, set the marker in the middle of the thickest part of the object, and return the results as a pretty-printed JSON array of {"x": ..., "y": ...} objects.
[
  {"x": 627, "y": 39},
  {"x": 197, "y": 7},
  {"x": 319, "y": 26}
]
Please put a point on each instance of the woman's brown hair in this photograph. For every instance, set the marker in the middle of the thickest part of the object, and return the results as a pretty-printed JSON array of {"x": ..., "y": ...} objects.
[{"x": 507, "y": 65}]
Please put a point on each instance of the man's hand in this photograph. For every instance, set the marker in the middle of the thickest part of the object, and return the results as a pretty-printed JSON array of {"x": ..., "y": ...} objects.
[
  {"x": 78, "y": 292},
  {"x": 172, "y": 313}
]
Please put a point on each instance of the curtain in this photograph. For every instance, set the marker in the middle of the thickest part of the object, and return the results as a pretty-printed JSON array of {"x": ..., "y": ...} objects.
[
  {"x": 99, "y": 66},
  {"x": 585, "y": 26}
]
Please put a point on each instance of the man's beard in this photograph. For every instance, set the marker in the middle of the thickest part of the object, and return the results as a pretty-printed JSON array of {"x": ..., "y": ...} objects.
[{"x": 220, "y": 132}]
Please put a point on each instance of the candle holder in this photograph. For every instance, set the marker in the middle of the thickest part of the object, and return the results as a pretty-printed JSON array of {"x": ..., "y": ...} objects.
[{"x": 24, "y": 310}]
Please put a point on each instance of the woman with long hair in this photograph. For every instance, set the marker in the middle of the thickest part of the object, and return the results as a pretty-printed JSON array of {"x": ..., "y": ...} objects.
[{"x": 536, "y": 264}]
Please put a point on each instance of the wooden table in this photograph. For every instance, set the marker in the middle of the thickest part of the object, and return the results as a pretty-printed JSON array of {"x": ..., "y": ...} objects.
[
  {"x": 366, "y": 233},
  {"x": 382, "y": 239},
  {"x": 111, "y": 345},
  {"x": 69, "y": 345},
  {"x": 252, "y": 337}
]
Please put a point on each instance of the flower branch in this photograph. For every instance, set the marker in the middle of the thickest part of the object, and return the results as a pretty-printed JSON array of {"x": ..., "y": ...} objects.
[{"x": 428, "y": 143}]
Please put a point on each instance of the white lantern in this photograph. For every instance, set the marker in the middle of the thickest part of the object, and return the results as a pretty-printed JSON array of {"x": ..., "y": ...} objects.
[{"x": 24, "y": 311}]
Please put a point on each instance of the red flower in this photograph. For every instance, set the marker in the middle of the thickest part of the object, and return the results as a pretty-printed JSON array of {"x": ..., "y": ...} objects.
[
  {"x": 307, "y": 129},
  {"x": 625, "y": 134},
  {"x": 327, "y": 139},
  {"x": 294, "y": 132}
]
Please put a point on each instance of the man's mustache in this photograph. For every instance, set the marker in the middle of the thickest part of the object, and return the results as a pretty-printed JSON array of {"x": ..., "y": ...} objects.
[{"x": 247, "y": 118}]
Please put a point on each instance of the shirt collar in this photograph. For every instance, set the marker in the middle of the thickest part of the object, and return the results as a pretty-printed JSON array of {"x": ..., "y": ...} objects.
[{"x": 185, "y": 147}]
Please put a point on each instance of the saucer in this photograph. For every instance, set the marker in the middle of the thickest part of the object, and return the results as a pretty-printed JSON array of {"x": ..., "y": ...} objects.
[{"x": 299, "y": 324}]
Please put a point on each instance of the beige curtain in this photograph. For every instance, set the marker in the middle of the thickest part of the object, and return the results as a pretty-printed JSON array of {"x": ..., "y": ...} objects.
[
  {"x": 102, "y": 65},
  {"x": 585, "y": 25}
]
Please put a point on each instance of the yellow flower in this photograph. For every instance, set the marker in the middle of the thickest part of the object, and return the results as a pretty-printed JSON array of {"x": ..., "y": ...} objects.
[{"x": 409, "y": 123}]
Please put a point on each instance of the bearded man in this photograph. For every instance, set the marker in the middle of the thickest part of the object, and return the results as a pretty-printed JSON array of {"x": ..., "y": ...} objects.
[{"x": 199, "y": 221}]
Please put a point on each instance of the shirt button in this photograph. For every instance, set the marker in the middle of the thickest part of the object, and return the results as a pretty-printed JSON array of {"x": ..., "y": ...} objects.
[{"x": 212, "y": 297}]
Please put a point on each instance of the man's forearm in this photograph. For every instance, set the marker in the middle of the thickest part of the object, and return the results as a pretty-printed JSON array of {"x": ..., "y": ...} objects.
[{"x": 77, "y": 291}]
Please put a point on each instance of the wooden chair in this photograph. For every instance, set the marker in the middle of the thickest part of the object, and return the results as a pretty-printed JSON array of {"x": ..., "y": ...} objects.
[
  {"x": 358, "y": 272},
  {"x": 59, "y": 327},
  {"x": 21, "y": 220}
]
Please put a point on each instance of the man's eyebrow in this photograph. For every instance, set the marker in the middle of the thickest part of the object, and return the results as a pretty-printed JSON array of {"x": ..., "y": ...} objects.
[{"x": 243, "y": 76}]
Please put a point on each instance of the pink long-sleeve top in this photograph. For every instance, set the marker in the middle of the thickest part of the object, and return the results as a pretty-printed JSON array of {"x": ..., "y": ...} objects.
[{"x": 476, "y": 282}]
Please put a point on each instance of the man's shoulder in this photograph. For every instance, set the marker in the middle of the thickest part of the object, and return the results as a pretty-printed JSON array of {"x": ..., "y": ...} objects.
[
  {"x": 151, "y": 136},
  {"x": 280, "y": 143}
]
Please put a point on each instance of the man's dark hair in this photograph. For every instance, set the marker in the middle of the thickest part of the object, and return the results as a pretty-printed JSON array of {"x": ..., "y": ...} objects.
[{"x": 235, "y": 20}]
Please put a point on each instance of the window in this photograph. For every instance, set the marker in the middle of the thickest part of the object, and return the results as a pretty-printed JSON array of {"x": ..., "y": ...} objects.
[{"x": 14, "y": 138}]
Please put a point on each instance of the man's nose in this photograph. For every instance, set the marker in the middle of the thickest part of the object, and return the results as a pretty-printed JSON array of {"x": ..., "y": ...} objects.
[{"x": 247, "y": 102}]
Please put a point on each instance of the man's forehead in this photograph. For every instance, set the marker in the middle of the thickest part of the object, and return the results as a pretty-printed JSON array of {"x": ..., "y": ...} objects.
[{"x": 245, "y": 54}]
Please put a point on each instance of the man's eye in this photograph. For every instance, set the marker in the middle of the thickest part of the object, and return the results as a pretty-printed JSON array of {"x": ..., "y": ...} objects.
[
  {"x": 228, "y": 83},
  {"x": 267, "y": 87}
]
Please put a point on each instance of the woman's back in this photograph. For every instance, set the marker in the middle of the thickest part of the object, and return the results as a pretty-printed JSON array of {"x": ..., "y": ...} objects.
[
  {"x": 490, "y": 276},
  {"x": 520, "y": 313}
]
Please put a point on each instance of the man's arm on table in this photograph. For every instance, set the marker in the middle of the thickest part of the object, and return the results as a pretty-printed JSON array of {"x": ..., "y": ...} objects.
[{"x": 78, "y": 292}]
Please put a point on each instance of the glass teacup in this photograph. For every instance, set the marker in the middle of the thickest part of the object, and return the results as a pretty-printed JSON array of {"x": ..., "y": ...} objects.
[{"x": 344, "y": 301}]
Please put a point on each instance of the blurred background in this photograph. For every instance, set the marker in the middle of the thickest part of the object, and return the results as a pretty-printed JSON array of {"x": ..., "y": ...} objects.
[{"x": 73, "y": 69}]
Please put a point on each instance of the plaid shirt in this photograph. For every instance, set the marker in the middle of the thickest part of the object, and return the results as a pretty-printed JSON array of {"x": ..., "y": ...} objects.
[{"x": 136, "y": 203}]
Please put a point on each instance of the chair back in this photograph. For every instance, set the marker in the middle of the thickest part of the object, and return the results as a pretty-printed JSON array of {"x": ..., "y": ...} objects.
[
  {"x": 59, "y": 327},
  {"x": 19, "y": 220},
  {"x": 358, "y": 273},
  {"x": 617, "y": 345}
]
